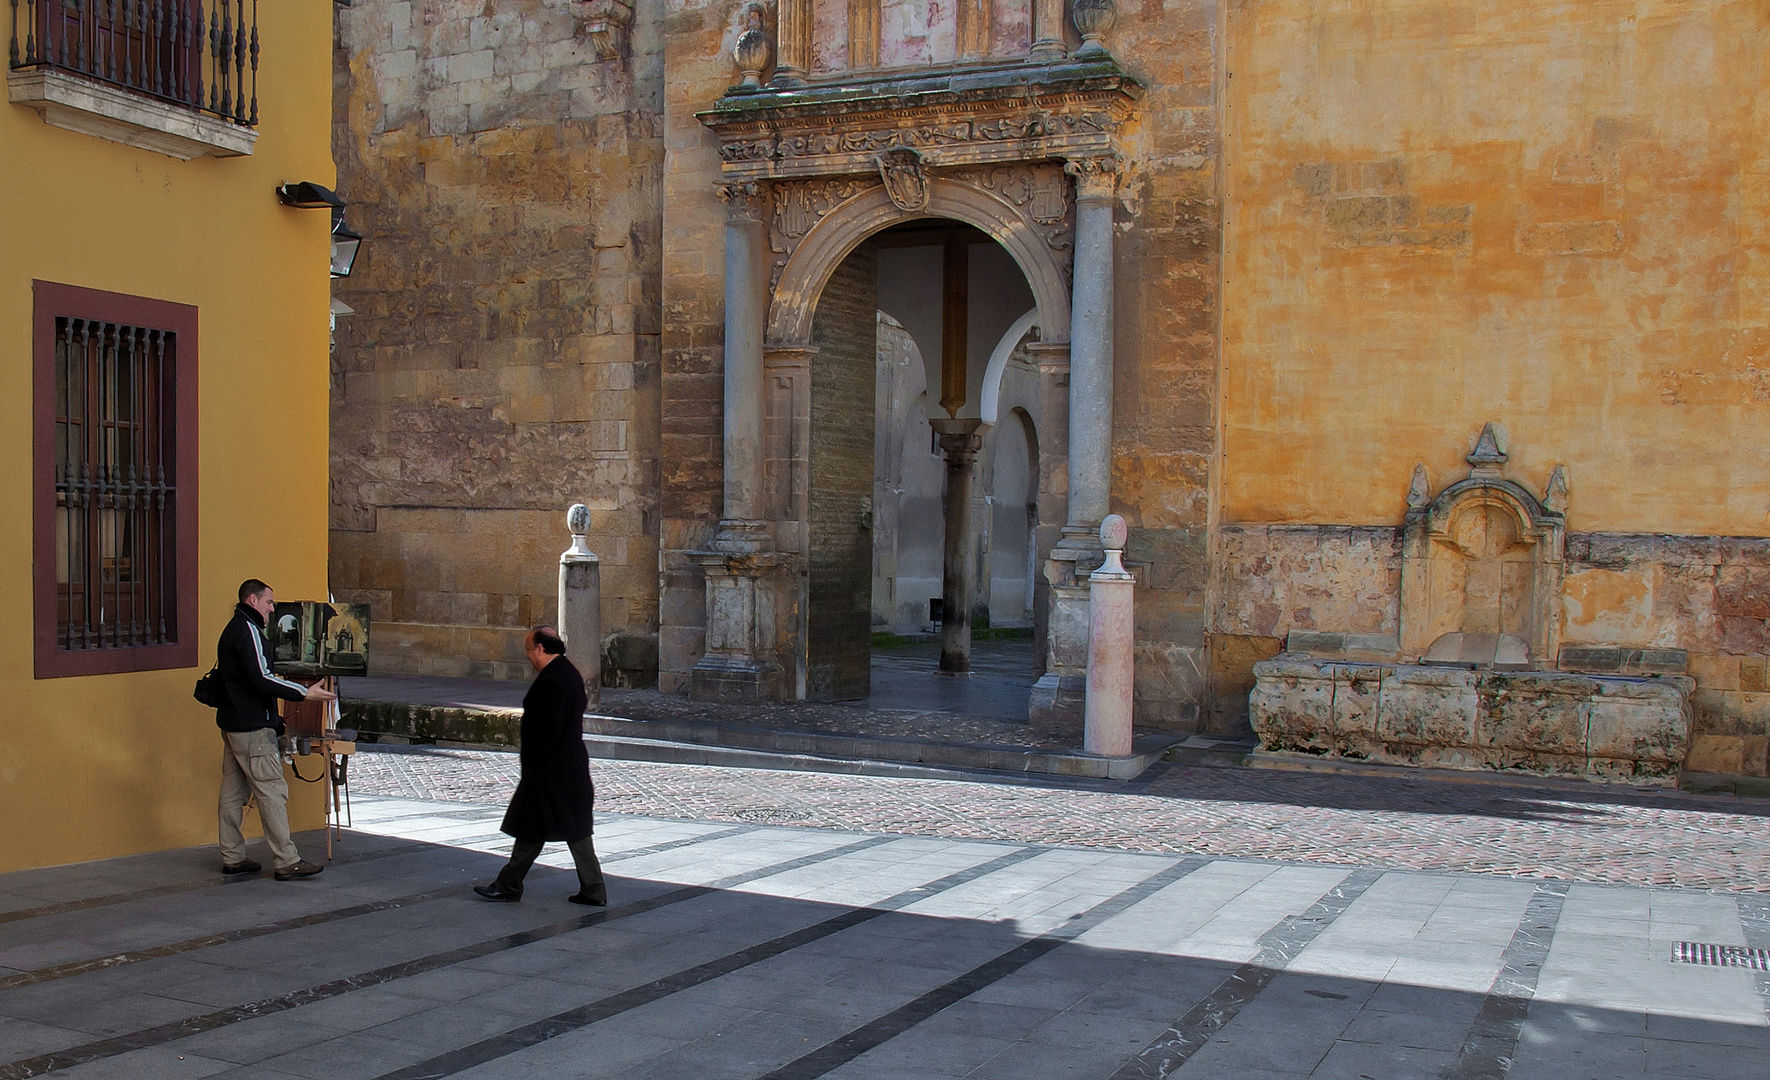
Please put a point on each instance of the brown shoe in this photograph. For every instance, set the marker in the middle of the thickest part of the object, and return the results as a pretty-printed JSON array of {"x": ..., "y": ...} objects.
[
  {"x": 301, "y": 869},
  {"x": 244, "y": 866}
]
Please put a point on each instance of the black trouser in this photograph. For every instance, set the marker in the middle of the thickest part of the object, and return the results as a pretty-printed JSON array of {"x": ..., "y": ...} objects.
[{"x": 523, "y": 854}]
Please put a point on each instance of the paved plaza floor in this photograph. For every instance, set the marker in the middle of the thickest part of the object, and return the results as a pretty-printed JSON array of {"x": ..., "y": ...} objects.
[{"x": 785, "y": 934}]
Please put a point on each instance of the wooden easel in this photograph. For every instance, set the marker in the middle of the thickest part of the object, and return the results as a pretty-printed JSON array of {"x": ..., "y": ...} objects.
[{"x": 314, "y": 721}]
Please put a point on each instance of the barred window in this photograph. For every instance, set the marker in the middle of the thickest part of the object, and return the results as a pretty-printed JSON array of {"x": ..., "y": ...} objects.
[
  {"x": 116, "y": 479},
  {"x": 114, "y": 497}
]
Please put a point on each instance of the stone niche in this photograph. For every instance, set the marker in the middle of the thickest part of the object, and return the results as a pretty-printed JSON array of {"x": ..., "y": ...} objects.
[{"x": 1470, "y": 681}]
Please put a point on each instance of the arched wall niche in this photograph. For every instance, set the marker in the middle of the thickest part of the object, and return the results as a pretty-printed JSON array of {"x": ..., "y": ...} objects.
[{"x": 793, "y": 305}]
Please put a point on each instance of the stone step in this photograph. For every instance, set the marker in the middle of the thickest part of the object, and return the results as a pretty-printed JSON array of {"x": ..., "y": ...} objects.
[
  {"x": 1146, "y": 749},
  {"x": 445, "y": 725}
]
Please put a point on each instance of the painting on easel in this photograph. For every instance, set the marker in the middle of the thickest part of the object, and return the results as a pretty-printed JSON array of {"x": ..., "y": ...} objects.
[{"x": 315, "y": 639}]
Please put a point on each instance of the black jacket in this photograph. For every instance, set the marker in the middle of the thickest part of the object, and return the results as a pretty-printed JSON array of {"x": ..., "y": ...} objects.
[
  {"x": 249, "y": 690},
  {"x": 554, "y": 796}
]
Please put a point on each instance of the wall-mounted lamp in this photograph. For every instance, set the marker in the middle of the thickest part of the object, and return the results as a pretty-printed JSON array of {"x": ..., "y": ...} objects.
[
  {"x": 346, "y": 242},
  {"x": 306, "y": 196}
]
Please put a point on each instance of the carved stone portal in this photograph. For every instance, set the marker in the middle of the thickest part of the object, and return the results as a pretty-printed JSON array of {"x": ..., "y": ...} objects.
[
  {"x": 1481, "y": 570},
  {"x": 1469, "y": 684}
]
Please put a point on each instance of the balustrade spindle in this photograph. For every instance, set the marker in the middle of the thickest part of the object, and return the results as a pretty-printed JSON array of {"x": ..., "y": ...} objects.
[
  {"x": 214, "y": 40},
  {"x": 12, "y": 42},
  {"x": 225, "y": 58},
  {"x": 194, "y": 49},
  {"x": 240, "y": 65},
  {"x": 253, "y": 119}
]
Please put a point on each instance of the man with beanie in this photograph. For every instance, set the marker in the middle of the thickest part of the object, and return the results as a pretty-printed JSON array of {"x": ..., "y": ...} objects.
[{"x": 251, "y": 764}]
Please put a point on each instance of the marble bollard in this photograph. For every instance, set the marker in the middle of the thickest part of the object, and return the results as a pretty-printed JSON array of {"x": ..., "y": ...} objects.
[
  {"x": 580, "y": 603},
  {"x": 1106, "y": 723}
]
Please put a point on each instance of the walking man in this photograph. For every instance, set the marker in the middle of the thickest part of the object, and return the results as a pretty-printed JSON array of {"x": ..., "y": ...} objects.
[
  {"x": 251, "y": 764},
  {"x": 554, "y": 795}
]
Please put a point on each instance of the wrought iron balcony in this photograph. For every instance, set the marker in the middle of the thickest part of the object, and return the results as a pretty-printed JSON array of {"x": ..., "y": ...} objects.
[{"x": 181, "y": 52}]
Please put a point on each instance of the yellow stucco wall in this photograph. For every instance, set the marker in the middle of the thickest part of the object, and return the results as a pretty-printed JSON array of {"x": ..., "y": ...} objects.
[
  {"x": 106, "y": 765},
  {"x": 1547, "y": 214}
]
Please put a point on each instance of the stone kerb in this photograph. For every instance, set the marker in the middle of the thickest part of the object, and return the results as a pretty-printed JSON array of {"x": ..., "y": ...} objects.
[{"x": 1605, "y": 727}]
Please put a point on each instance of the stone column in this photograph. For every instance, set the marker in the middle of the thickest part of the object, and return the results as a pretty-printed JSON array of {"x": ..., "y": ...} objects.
[
  {"x": 1106, "y": 728},
  {"x": 740, "y": 663},
  {"x": 1057, "y": 699},
  {"x": 959, "y": 441},
  {"x": 580, "y": 602},
  {"x": 1047, "y": 33},
  {"x": 746, "y": 312},
  {"x": 1090, "y": 350}
]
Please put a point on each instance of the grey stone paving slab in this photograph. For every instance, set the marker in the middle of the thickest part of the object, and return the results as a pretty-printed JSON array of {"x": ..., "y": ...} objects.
[
  {"x": 1359, "y": 1060},
  {"x": 155, "y": 1064},
  {"x": 253, "y": 1040},
  {"x": 940, "y": 1053},
  {"x": 1420, "y": 1017},
  {"x": 1385, "y": 988}
]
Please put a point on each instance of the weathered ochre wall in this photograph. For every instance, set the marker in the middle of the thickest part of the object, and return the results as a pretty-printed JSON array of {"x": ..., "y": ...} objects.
[
  {"x": 1547, "y": 214},
  {"x": 105, "y": 765},
  {"x": 503, "y": 360}
]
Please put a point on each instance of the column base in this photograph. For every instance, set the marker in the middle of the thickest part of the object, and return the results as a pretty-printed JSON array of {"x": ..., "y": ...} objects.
[
  {"x": 720, "y": 680},
  {"x": 746, "y": 614},
  {"x": 1058, "y": 705}
]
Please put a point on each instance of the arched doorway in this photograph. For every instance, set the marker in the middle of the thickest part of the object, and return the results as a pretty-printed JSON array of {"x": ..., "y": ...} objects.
[{"x": 906, "y": 523}]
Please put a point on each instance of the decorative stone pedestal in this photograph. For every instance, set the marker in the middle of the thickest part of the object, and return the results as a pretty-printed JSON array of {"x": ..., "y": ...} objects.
[
  {"x": 1551, "y": 722},
  {"x": 744, "y": 618},
  {"x": 580, "y": 602}
]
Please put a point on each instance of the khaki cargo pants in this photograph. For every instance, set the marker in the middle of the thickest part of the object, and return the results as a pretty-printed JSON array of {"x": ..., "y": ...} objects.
[{"x": 251, "y": 766}]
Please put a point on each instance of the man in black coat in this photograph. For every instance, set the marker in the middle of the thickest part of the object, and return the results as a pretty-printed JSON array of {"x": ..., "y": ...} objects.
[{"x": 554, "y": 796}]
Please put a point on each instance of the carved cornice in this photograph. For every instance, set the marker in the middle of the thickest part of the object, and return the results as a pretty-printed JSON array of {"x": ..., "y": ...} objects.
[{"x": 960, "y": 116}]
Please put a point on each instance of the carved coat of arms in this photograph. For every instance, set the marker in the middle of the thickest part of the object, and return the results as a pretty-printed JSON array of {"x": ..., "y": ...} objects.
[{"x": 906, "y": 181}]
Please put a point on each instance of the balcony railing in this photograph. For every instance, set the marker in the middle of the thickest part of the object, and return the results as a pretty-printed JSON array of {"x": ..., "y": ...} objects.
[{"x": 161, "y": 48}]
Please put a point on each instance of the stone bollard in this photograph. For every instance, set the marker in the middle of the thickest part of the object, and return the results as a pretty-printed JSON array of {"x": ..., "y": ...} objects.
[
  {"x": 1106, "y": 726},
  {"x": 580, "y": 603}
]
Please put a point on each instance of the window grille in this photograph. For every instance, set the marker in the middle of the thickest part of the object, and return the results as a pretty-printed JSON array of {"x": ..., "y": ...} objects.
[{"x": 115, "y": 485}]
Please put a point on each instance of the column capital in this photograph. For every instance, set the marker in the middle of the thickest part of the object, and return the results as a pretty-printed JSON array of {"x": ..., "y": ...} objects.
[
  {"x": 960, "y": 440},
  {"x": 1097, "y": 176},
  {"x": 743, "y": 201}
]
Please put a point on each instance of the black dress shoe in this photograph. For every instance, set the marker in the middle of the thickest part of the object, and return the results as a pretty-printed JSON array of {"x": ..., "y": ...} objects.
[
  {"x": 244, "y": 866},
  {"x": 599, "y": 900},
  {"x": 495, "y": 891}
]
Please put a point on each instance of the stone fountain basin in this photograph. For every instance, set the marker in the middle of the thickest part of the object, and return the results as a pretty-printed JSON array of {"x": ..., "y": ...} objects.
[{"x": 1608, "y": 727}]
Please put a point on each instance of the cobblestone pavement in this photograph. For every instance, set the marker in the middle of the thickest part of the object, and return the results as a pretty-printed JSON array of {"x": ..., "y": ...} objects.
[{"x": 1552, "y": 831}]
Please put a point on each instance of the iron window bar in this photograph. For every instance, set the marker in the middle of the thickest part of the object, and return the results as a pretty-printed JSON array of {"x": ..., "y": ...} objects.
[{"x": 160, "y": 48}]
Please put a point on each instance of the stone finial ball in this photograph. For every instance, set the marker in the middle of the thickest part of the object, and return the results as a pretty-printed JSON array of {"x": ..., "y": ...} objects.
[
  {"x": 577, "y": 519},
  {"x": 1113, "y": 533}
]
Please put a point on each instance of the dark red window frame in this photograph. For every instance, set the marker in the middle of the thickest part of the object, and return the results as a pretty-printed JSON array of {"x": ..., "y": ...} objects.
[{"x": 52, "y": 301}]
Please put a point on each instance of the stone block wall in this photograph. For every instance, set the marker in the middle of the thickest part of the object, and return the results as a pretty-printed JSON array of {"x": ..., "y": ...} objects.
[
  {"x": 503, "y": 361},
  {"x": 697, "y": 40},
  {"x": 1167, "y": 291},
  {"x": 839, "y": 548}
]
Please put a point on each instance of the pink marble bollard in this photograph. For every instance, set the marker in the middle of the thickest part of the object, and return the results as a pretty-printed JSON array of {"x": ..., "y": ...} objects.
[{"x": 1106, "y": 726}]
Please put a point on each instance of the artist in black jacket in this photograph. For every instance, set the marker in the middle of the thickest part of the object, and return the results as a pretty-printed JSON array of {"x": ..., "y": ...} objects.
[
  {"x": 250, "y": 762},
  {"x": 554, "y": 796}
]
